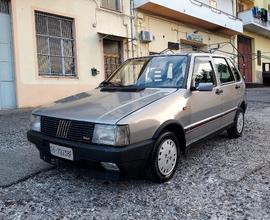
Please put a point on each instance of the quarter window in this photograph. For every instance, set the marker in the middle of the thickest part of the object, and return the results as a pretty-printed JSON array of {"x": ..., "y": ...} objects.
[
  {"x": 203, "y": 71},
  {"x": 55, "y": 45},
  {"x": 225, "y": 73},
  {"x": 111, "y": 4}
]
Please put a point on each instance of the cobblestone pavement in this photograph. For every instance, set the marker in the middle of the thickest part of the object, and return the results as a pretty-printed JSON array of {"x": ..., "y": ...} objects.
[
  {"x": 218, "y": 179},
  {"x": 18, "y": 158},
  {"x": 13, "y": 127}
]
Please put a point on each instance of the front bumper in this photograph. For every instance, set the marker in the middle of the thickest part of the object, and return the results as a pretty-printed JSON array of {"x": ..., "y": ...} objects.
[{"x": 131, "y": 158}]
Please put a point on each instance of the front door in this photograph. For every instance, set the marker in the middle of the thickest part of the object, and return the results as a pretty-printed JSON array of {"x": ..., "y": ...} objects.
[
  {"x": 7, "y": 79},
  {"x": 205, "y": 105},
  {"x": 245, "y": 65}
]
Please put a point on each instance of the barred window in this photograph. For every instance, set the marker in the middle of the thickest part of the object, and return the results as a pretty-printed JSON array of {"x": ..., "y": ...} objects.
[
  {"x": 4, "y": 6},
  {"x": 55, "y": 45},
  {"x": 111, "y": 4}
]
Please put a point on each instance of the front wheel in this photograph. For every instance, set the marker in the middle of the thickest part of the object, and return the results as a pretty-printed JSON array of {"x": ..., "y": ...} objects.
[
  {"x": 164, "y": 158},
  {"x": 237, "y": 129}
]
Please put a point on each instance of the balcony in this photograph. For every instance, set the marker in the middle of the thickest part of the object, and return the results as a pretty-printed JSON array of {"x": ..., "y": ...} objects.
[
  {"x": 255, "y": 24},
  {"x": 193, "y": 12}
]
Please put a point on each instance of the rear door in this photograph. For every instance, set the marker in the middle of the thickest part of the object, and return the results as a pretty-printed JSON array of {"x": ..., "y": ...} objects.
[
  {"x": 205, "y": 105},
  {"x": 240, "y": 85},
  {"x": 229, "y": 90}
]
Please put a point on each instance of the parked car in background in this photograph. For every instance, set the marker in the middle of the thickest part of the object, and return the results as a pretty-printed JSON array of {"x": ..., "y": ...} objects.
[{"x": 145, "y": 115}]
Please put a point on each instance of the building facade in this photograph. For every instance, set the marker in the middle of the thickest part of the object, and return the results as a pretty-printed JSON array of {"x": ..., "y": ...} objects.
[
  {"x": 53, "y": 49},
  {"x": 254, "y": 43},
  {"x": 195, "y": 25}
]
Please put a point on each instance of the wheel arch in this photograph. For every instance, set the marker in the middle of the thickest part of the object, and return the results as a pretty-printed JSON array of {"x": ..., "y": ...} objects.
[
  {"x": 243, "y": 105},
  {"x": 175, "y": 127}
]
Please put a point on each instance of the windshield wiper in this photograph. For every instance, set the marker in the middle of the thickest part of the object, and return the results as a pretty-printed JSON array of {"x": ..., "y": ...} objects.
[
  {"x": 108, "y": 83},
  {"x": 122, "y": 89}
]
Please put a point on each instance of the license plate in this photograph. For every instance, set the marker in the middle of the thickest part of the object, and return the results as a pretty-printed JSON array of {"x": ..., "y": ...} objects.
[{"x": 63, "y": 152}]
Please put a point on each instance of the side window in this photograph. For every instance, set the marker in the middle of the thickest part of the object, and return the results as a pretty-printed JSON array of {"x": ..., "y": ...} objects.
[
  {"x": 111, "y": 4},
  {"x": 225, "y": 73},
  {"x": 203, "y": 71},
  {"x": 235, "y": 71}
]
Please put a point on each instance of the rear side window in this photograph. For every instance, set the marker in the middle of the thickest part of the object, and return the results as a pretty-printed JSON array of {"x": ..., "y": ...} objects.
[
  {"x": 203, "y": 71},
  {"x": 235, "y": 71},
  {"x": 224, "y": 71}
]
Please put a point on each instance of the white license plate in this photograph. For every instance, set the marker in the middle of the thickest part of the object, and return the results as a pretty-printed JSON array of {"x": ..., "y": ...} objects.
[{"x": 63, "y": 152}]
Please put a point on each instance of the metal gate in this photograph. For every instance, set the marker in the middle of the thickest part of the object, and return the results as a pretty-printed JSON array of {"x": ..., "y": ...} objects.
[
  {"x": 7, "y": 79},
  {"x": 112, "y": 62},
  {"x": 112, "y": 55}
]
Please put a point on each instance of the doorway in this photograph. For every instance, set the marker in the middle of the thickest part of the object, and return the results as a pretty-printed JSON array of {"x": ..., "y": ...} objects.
[
  {"x": 112, "y": 50},
  {"x": 245, "y": 49},
  {"x": 7, "y": 78}
]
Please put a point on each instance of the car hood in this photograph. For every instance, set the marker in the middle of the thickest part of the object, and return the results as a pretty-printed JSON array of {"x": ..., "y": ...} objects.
[{"x": 102, "y": 107}]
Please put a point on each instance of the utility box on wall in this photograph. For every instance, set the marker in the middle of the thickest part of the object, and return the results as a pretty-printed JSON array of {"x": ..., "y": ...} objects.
[{"x": 146, "y": 37}]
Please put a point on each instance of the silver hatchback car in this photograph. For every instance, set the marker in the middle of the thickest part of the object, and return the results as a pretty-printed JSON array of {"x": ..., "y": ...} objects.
[{"x": 145, "y": 115}]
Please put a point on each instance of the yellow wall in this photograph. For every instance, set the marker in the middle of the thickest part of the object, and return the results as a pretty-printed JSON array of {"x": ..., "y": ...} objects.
[
  {"x": 167, "y": 30},
  {"x": 33, "y": 90},
  {"x": 258, "y": 3},
  {"x": 261, "y": 3},
  {"x": 261, "y": 43}
]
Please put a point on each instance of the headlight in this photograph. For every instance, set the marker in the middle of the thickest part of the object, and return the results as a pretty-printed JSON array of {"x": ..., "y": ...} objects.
[
  {"x": 111, "y": 135},
  {"x": 35, "y": 123}
]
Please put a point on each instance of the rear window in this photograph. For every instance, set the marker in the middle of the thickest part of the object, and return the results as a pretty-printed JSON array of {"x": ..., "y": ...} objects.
[{"x": 224, "y": 71}]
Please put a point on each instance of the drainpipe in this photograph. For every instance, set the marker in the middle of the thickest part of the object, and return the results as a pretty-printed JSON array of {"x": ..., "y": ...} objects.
[
  {"x": 235, "y": 13},
  {"x": 94, "y": 25},
  {"x": 132, "y": 16}
]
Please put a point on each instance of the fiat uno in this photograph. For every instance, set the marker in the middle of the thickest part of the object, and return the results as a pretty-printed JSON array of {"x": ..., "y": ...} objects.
[{"x": 145, "y": 114}]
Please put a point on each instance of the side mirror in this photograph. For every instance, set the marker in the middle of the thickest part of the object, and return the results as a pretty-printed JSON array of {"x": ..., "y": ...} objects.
[{"x": 205, "y": 87}]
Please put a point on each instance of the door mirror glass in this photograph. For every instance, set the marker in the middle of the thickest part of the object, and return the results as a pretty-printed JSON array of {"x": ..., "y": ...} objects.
[{"x": 205, "y": 87}]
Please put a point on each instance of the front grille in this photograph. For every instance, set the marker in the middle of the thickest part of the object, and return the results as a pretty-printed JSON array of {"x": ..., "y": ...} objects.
[{"x": 67, "y": 129}]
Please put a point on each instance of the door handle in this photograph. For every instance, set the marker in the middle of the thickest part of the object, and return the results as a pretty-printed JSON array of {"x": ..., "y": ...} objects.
[
  {"x": 219, "y": 91},
  {"x": 237, "y": 87}
]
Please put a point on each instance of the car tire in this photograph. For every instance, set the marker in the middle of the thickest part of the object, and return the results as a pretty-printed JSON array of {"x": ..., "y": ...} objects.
[
  {"x": 238, "y": 126},
  {"x": 163, "y": 159}
]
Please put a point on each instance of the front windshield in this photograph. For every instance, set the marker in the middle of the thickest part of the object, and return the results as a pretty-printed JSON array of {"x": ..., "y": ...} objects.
[{"x": 152, "y": 72}]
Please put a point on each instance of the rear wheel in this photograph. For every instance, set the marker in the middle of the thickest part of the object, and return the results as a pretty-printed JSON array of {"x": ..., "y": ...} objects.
[
  {"x": 238, "y": 126},
  {"x": 164, "y": 158}
]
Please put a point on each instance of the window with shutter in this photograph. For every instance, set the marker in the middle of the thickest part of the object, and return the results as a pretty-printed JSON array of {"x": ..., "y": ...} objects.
[{"x": 111, "y": 4}]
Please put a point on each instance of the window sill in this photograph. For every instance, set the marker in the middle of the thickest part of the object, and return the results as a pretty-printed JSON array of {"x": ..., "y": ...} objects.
[
  {"x": 58, "y": 77},
  {"x": 111, "y": 10}
]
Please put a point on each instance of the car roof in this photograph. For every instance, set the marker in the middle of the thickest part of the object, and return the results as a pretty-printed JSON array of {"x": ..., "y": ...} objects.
[{"x": 182, "y": 54}]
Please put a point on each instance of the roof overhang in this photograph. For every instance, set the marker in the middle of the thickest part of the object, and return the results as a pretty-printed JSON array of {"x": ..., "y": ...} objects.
[
  {"x": 103, "y": 36},
  {"x": 206, "y": 17}
]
